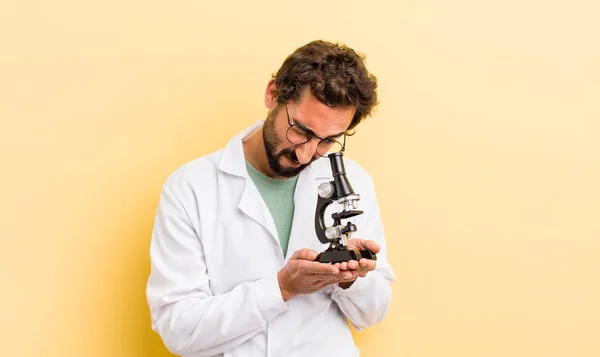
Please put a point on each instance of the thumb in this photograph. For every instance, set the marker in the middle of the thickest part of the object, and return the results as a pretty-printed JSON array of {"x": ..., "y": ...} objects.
[
  {"x": 305, "y": 254},
  {"x": 372, "y": 246},
  {"x": 360, "y": 244}
]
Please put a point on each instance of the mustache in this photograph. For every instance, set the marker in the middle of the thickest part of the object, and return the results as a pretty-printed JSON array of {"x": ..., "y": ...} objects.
[{"x": 291, "y": 152}]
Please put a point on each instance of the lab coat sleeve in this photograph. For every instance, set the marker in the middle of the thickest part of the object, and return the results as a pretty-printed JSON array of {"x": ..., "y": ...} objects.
[
  {"x": 366, "y": 302},
  {"x": 189, "y": 318}
]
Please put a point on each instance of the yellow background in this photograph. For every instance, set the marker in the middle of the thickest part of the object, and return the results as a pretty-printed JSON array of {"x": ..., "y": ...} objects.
[{"x": 485, "y": 151}]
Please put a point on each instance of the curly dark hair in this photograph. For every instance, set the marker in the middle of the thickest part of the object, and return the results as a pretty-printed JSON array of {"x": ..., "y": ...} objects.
[{"x": 336, "y": 75}]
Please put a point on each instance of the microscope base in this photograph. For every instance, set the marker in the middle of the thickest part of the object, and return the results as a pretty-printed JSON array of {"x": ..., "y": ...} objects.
[{"x": 338, "y": 256}]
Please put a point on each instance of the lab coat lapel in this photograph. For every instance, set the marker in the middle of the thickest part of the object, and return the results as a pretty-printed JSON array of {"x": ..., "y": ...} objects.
[
  {"x": 250, "y": 201},
  {"x": 254, "y": 206}
]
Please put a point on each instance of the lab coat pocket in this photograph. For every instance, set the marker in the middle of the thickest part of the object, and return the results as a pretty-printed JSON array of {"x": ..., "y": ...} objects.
[{"x": 244, "y": 252}]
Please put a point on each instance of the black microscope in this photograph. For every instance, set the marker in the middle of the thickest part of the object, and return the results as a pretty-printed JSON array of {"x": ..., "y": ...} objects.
[{"x": 339, "y": 190}]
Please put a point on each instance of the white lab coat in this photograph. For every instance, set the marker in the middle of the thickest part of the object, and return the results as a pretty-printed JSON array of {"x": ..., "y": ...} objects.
[{"x": 215, "y": 255}]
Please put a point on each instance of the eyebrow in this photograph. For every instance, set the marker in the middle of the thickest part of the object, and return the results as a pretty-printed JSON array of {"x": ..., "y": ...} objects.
[{"x": 303, "y": 127}]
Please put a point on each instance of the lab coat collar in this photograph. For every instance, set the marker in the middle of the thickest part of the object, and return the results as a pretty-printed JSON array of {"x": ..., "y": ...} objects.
[{"x": 233, "y": 162}]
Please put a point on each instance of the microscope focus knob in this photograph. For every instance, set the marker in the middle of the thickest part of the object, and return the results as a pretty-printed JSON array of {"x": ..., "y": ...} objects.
[
  {"x": 332, "y": 232},
  {"x": 326, "y": 190}
]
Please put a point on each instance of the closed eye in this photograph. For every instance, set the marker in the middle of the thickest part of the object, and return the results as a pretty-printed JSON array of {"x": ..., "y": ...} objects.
[{"x": 302, "y": 130}]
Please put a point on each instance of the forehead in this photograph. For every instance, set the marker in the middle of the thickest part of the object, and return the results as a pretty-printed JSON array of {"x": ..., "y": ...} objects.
[{"x": 318, "y": 117}]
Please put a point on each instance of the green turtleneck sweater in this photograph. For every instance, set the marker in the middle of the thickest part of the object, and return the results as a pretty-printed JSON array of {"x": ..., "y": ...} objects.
[{"x": 279, "y": 197}]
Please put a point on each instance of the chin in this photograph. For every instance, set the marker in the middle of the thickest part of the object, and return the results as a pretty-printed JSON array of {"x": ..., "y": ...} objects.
[{"x": 288, "y": 170}]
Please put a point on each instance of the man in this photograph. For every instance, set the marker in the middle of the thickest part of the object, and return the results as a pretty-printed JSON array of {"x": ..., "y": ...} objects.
[{"x": 234, "y": 245}]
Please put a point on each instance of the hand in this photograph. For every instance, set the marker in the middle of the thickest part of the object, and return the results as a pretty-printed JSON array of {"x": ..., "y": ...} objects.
[
  {"x": 362, "y": 267},
  {"x": 302, "y": 275}
]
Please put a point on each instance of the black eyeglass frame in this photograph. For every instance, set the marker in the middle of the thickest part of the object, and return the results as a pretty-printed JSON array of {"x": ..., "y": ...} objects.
[{"x": 309, "y": 135}]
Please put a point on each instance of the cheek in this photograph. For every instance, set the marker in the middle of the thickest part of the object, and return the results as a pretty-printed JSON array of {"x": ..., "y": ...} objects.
[
  {"x": 282, "y": 133},
  {"x": 271, "y": 134},
  {"x": 282, "y": 141}
]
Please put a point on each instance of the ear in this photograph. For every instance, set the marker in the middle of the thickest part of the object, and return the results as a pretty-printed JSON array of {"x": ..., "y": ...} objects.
[{"x": 271, "y": 95}]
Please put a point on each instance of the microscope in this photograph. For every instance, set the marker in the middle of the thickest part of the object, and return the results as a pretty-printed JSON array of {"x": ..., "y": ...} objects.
[{"x": 339, "y": 190}]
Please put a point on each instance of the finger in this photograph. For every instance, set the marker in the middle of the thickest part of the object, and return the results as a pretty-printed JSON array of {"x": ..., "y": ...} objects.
[
  {"x": 344, "y": 266},
  {"x": 353, "y": 264},
  {"x": 368, "y": 264},
  {"x": 319, "y": 284},
  {"x": 342, "y": 276},
  {"x": 305, "y": 254},
  {"x": 348, "y": 275},
  {"x": 323, "y": 284},
  {"x": 334, "y": 279},
  {"x": 309, "y": 267},
  {"x": 347, "y": 281},
  {"x": 372, "y": 246}
]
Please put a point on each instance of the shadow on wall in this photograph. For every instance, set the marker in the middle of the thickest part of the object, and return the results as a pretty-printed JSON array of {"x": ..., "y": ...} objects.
[
  {"x": 136, "y": 332},
  {"x": 126, "y": 310},
  {"x": 136, "y": 322},
  {"x": 120, "y": 265},
  {"x": 126, "y": 314}
]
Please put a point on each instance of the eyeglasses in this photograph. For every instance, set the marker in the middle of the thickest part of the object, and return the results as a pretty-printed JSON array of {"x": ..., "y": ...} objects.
[{"x": 298, "y": 136}]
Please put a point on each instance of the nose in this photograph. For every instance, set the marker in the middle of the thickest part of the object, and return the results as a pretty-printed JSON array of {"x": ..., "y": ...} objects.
[{"x": 306, "y": 151}]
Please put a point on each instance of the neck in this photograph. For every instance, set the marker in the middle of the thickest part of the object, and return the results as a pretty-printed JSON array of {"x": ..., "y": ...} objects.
[{"x": 254, "y": 151}]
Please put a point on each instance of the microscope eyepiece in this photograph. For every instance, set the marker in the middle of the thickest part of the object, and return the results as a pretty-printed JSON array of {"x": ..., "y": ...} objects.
[{"x": 343, "y": 187}]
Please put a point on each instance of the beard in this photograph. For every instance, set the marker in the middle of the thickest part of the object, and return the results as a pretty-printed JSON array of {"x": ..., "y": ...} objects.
[{"x": 271, "y": 141}]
